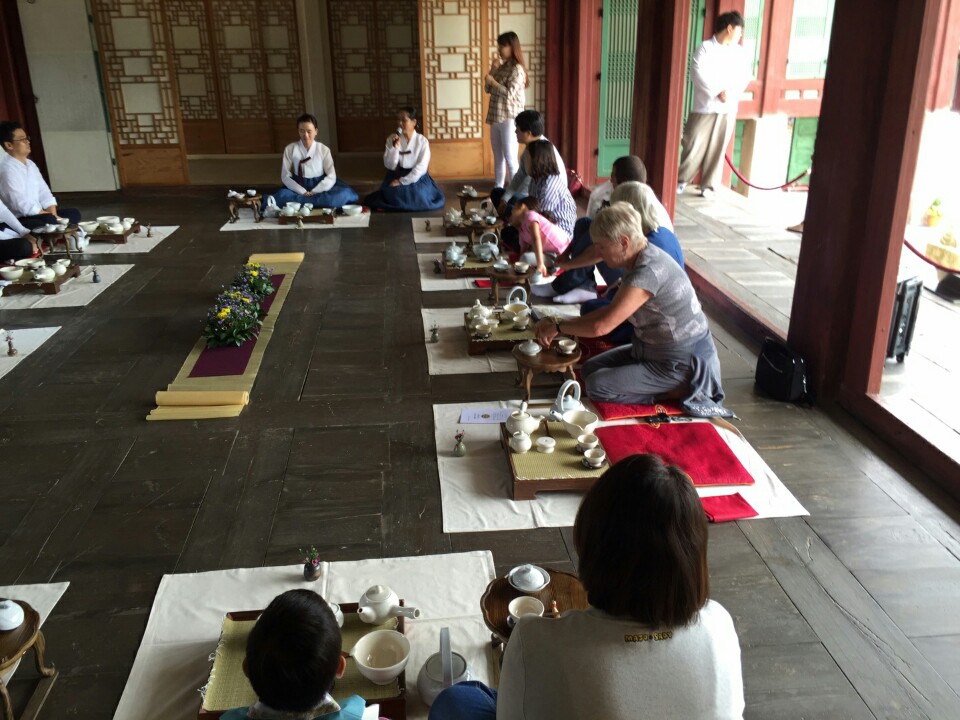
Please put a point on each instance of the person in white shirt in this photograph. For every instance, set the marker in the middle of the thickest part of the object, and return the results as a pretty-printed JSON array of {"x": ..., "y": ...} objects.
[
  {"x": 308, "y": 174},
  {"x": 721, "y": 72},
  {"x": 22, "y": 188},
  {"x": 407, "y": 186},
  {"x": 16, "y": 243},
  {"x": 651, "y": 645}
]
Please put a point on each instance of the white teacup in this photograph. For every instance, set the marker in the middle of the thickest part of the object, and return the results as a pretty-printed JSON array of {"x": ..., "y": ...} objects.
[
  {"x": 521, "y": 267},
  {"x": 524, "y": 605},
  {"x": 566, "y": 345},
  {"x": 595, "y": 457},
  {"x": 251, "y": 193},
  {"x": 63, "y": 222},
  {"x": 521, "y": 323},
  {"x": 587, "y": 441}
]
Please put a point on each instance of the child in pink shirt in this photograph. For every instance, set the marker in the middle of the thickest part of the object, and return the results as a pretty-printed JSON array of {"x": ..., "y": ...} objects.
[{"x": 538, "y": 236}]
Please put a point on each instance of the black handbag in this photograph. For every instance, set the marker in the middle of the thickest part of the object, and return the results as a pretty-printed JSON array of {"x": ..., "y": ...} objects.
[{"x": 782, "y": 373}]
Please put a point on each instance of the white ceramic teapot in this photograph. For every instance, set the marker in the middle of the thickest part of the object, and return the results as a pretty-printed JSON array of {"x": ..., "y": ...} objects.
[
  {"x": 514, "y": 307},
  {"x": 454, "y": 216},
  {"x": 379, "y": 603},
  {"x": 564, "y": 402},
  {"x": 44, "y": 274},
  {"x": 479, "y": 312},
  {"x": 453, "y": 251},
  {"x": 522, "y": 421},
  {"x": 441, "y": 670},
  {"x": 486, "y": 249}
]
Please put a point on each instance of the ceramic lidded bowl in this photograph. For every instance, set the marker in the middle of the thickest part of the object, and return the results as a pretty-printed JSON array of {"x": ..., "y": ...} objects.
[
  {"x": 528, "y": 578},
  {"x": 531, "y": 348},
  {"x": 11, "y": 615}
]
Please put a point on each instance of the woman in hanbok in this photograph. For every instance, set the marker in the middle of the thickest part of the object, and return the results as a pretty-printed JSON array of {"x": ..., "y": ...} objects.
[
  {"x": 307, "y": 172},
  {"x": 407, "y": 186}
]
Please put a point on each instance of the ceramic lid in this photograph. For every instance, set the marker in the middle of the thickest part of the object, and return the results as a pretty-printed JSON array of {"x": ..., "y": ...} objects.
[
  {"x": 528, "y": 577},
  {"x": 11, "y": 615},
  {"x": 378, "y": 593},
  {"x": 529, "y": 347}
]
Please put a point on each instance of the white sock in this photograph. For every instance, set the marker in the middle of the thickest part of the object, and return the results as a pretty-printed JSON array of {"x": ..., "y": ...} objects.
[
  {"x": 545, "y": 291},
  {"x": 576, "y": 296}
]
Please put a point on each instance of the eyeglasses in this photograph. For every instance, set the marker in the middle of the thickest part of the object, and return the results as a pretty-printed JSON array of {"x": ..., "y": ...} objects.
[{"x": 25, "y": 138}]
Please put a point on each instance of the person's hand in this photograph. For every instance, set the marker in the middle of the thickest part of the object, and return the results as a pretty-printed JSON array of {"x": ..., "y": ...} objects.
[
  {"x": 308, "y": 193},
  {"x": 542, "y": 269},
  {"x": 546, "y": 331},
  {"x": 490, "y": 79},
  {"x": 33, "y": 242},
  {"x": 495, "y": 64},
  {"x": 395, "y": 183},
  {"x": 396, "y": 141},
  {"x": 502, "y": 207},
  {"x": 722, "y": 96}
]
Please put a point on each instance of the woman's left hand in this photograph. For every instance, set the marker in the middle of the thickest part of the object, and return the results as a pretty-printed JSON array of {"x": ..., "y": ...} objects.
[
  {"x": 308, "y": 193},
  {"x": 394, "y": 183},
  {"x": 490, "y": 79},
  {"x": 546, "y": 331}
]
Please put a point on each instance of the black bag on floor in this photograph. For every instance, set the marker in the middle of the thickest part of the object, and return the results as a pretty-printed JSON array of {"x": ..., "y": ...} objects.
[{"x": 782, "y": 373}]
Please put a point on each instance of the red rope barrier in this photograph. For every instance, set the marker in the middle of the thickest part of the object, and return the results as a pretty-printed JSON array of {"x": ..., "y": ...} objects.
[
  {"x": 927, "y": 260},
  {"x": 742, "y": 179}
]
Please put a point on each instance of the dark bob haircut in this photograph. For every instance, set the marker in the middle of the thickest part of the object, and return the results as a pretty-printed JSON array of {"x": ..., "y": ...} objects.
[
  {"x": 7, "y": 129},
  {"x": 308, "y": 118},
  {"x": 630, "y": 168},
  {"x": 728, "y": 18},
  {"x": 293, "y": 652},
  {"x": 641, "y": 535},
  {"x": 543, "y": 161},
  {"x": 530, "y": 121}
]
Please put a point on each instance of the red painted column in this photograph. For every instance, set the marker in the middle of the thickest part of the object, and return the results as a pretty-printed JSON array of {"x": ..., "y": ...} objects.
[
  {"x": 16, "y": 92},
  {"x": 662, "y": 30}
]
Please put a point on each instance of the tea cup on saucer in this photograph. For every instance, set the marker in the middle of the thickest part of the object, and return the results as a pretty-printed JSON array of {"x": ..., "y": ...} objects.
[
  {"x": 595, "y": 457},
  {"x": 566, "y": 346},
  {"x": 587, "y": 441},
  {"x": 523, "y": 605}
]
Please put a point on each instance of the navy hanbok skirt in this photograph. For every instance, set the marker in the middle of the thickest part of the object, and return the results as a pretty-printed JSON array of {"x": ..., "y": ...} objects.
[
  {"x": 416, "y": 197},
  {"x": 339, "y": 195}
]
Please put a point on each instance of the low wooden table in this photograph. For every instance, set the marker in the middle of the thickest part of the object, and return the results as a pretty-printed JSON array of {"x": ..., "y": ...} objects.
[
  {"x": 504, "y": 336},
  {"x": 509, "y": 278},
  {"x": 316, "y": 217},
  {"x": 51, "y": 239},
  {"x": 49, "y": 288},
  {"x": 234, "y": 204},
  {"x": 473, "y": 268},
  {"x": 14, "y": 644},
  {"x": 546, "y": 361},
  {"x": 465, "y": 199},
  {"x": 115, "y": 238},
  {"x": 564, "y": 588}
]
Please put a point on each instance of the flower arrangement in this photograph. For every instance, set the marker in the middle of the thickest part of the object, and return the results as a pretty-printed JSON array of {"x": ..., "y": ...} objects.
[
  {"x": 311, "y": 556},
  {"x": 254, "y": 278},
  {"x": 236, "y": 315}
]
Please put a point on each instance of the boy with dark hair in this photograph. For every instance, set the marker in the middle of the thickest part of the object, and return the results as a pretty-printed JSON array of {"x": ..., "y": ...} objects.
[
  {"x": 293, "y": 658},
  {"x": 720, "y": 71}
]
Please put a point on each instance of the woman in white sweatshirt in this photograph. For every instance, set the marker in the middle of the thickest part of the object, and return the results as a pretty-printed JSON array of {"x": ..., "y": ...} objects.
[{"x": 652, "y": 645}]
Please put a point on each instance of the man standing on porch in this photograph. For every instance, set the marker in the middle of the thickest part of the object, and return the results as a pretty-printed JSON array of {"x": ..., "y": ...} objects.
[{"x": 720, "y": 72}]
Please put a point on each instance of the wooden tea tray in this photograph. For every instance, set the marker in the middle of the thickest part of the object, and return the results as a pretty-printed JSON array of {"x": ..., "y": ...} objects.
[
  {"x": 563, "y": 588},
  {"x": 473, "y": 268},
  {"x": 314, "y": 218},
  {"x": 391, "y": 698},
  {"x": 49, "y": 288},
  {"x": 115, "y": 238},
  {"x": 563, "y": 469},
  {"x": 503, "y": 337}
]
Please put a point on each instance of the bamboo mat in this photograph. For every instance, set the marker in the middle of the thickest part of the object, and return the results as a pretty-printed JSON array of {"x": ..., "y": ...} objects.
[{"x": 205, "y": 398}]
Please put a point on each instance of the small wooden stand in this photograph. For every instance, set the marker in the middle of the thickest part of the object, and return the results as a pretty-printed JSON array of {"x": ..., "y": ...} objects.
[
  {"x": 472, "y": 269},
  {"x": 509, "y": 278},
  {"x": 49, "y": 288},
  {"x": 546, "y": 361},
  {"x": 314, "y": 218},
  {"x": 115, "y": 238},
  {"x": 465, "y": 199},
  {"x": 52, "y": 239},
  {"x": 234, "y": 204},
  {"x": 564, "y": 588},
  {"x": 504, "y": 340},
  {"x": 13, "y": 645},
  {"x": 563, "y": 469}
]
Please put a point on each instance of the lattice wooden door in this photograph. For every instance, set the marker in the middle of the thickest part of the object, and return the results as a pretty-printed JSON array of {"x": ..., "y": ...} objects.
[
  {"x": 374, "y": 48},
  {"x": 618, "y": 53}
]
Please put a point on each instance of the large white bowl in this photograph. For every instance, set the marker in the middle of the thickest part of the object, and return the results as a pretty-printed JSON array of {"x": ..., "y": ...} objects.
[
  {"x": 381, "y": 655},
  {"x": 578, "y": 422},
  {"x": 108, "y": 219},
  {"x": 90, "y": 226},
  {"x": 352, "y": 209},
  {"x": 11, "y": 273}
]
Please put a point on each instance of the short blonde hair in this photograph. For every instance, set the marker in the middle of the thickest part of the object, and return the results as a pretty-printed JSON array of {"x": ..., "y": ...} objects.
[
  {"x": 642, "y": 197},
  {"x": 619, "y": 220}
]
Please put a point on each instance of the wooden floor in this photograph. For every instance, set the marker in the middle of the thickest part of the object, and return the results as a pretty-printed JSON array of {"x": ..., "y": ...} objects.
[{"x": 850, "y": 613}]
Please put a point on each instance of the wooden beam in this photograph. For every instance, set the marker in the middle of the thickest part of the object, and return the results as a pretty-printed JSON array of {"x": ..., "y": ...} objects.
[
  {"x": 662, "y": 30},
  {"x": 944, "y": 76}
]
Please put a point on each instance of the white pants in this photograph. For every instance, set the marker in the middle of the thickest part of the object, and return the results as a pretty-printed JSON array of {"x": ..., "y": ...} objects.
[{"x": 505, "y": 148}]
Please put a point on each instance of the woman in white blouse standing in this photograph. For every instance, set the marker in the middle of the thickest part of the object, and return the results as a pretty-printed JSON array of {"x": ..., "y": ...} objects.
[
  {"x": 307, "y": 172},
  {"x": 506, "y": 83},
  {"x": 407, "y": 186}
]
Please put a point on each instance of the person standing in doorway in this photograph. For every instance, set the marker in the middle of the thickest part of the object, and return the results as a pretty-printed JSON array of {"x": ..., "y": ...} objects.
[
  {"x": 506, "y": 84},
  {"x": 720, "y": 73}
]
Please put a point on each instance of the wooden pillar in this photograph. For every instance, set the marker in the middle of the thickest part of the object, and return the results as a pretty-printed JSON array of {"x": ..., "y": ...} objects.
[
  {"x": 662, "y": 29},
  {"x": 573, "y": 82},
  {"x": 944, "y": 76},
  {"x": 16, "y": 92},
  {"x": 866, "y": 150}
]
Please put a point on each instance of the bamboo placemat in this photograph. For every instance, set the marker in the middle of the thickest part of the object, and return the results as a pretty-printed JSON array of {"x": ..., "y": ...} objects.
[
  {"x": 285, "y": 264},
  {"x": 229, "y": 687},
  {"x": 471, "y": 262},
  {"x": 502, "y": 332},
  {"x": 563, "y": 462}
]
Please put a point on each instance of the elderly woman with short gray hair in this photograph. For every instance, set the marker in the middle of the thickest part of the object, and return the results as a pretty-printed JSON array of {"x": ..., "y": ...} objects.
[{"x": 672, "y": 355}]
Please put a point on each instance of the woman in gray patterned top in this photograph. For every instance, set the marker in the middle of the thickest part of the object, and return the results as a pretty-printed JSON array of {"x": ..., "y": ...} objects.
[{"x": 672, "y": 356}]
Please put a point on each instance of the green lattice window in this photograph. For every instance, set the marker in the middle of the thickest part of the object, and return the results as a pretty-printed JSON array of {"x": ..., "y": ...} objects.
[
  {"x": 752, "y": 29},
  {"x": 809, "y": 39},
  {"x": 698, "y": 13},
  {"x": 618, "y": 54}
]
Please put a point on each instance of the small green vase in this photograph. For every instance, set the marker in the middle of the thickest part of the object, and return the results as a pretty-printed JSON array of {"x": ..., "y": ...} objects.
[{"x": 459, "y": 450}]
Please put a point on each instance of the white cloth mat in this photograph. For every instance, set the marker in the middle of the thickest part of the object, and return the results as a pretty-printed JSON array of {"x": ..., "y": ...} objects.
[
  {"x": 475, "y": 490},
  {"x": 75, "y": 292},
  {"x": 449, "y": 356},
  {"x": 25, "y": 341},
  {"x": 246, "y": 222},
  {"x": 429, "y": 280},
  {"x": 173, "y": 663},
  {"x": 42, "y": 598},
  {"x": 436, "y": 233},
  {"x": 138, "y": 243}
]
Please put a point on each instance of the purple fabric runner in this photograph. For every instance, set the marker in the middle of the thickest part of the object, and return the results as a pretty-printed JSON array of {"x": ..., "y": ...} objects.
[{"x": 214, "y": 362}]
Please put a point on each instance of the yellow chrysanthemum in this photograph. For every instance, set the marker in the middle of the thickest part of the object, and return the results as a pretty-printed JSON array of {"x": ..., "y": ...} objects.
[
  {"x": 223, "y": 313},
  {"x": 254, "y": 273}
]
